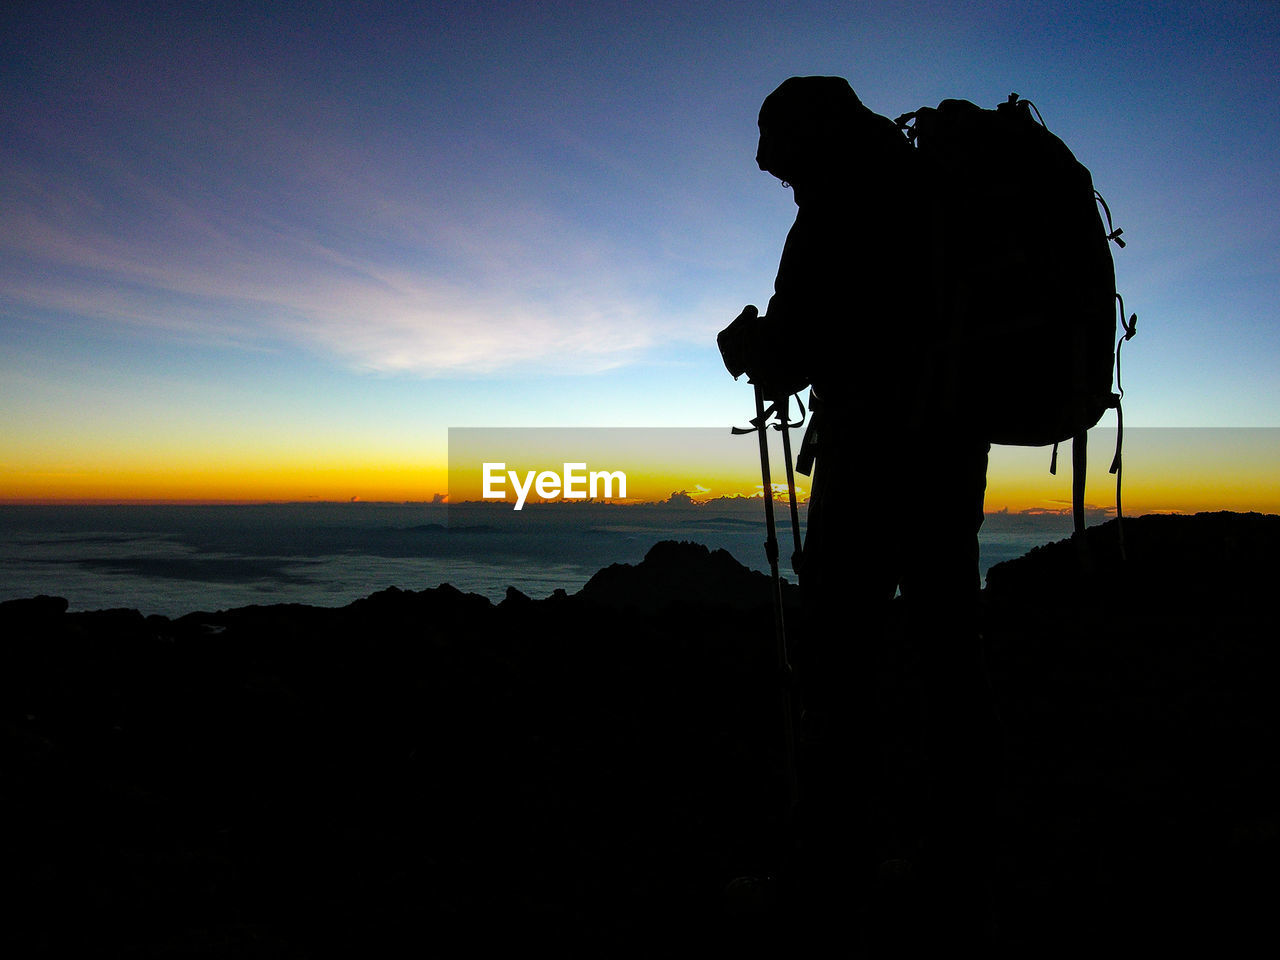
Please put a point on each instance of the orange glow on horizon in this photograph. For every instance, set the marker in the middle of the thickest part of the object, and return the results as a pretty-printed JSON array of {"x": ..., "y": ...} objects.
[
  {"x": 226, "y": 483},
  {"x": 1164, "y": 472}
]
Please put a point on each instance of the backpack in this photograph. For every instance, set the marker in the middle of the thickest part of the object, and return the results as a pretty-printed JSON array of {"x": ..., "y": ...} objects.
[{"x": 1022, "y": 281}]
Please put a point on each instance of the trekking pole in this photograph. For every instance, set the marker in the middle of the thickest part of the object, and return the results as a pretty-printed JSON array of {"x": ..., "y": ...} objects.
[
  {"x": 760, "y": 426},
  {"x": 784, "y": 425}
]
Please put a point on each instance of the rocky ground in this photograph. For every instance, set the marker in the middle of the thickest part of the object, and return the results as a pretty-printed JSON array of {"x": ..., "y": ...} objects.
[{"x": 590, "y": 770}]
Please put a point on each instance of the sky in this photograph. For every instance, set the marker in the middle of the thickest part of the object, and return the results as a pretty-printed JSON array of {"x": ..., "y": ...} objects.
[{"x": 275, "y": 251}]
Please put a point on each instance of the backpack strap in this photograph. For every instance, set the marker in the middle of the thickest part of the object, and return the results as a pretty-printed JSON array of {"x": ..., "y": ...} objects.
[
  {"x": 1079, "y": 464},
  {"x": 1015, "y": 100},
  {"x": 1113, "y": 233},
  {"x": 1130, "y": 327},
  {"x": 904, "y": 123},
  {"x": 810, "y": 442},
  {"x": 1116, "y": 469}
]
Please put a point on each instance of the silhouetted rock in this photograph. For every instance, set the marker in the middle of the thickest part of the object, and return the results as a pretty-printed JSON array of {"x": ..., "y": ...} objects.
[
  {"x": 33, "y": 608},
  {"x": 680, "y": 573},
  {"x": 1212, "y": 556},
  {"x": 515, "y": 598}
]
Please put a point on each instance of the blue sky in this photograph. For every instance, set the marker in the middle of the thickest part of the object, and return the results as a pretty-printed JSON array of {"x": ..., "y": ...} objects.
[{"x": 348, "y": 227}]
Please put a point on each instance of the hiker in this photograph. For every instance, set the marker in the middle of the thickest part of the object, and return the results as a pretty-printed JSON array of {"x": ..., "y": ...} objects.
[{"x": 898, "y": 484}]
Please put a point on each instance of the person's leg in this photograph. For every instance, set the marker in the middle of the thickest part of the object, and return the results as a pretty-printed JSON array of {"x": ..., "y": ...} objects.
[
  {"x": 848, "y": 581},
  {"x": 961, "y": 733}
]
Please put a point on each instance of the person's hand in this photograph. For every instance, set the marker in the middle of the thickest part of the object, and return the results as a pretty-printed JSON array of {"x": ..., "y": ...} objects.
[{"x": 736, "y": 339}]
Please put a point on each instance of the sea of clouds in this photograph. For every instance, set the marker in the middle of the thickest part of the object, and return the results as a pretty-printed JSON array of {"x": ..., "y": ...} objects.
[{"x": 173, "y": 560}]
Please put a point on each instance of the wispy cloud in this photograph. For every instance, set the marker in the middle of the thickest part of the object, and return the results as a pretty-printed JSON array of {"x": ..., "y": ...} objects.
[{"x": 385, "y": 268}]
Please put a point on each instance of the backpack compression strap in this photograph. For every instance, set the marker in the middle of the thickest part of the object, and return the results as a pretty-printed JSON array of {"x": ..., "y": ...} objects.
[
  {"x": 1113, "y": 232},
  {"x": 1130, "y": 328},
  {"x": 1079, "y": 461}
]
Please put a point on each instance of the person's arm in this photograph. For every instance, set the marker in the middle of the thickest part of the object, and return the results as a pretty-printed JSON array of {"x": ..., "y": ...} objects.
[{"x": 771, "y": 349}]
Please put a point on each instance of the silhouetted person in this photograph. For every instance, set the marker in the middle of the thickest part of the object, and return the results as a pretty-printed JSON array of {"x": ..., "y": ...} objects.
[{"x": 897, "y": 495}]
